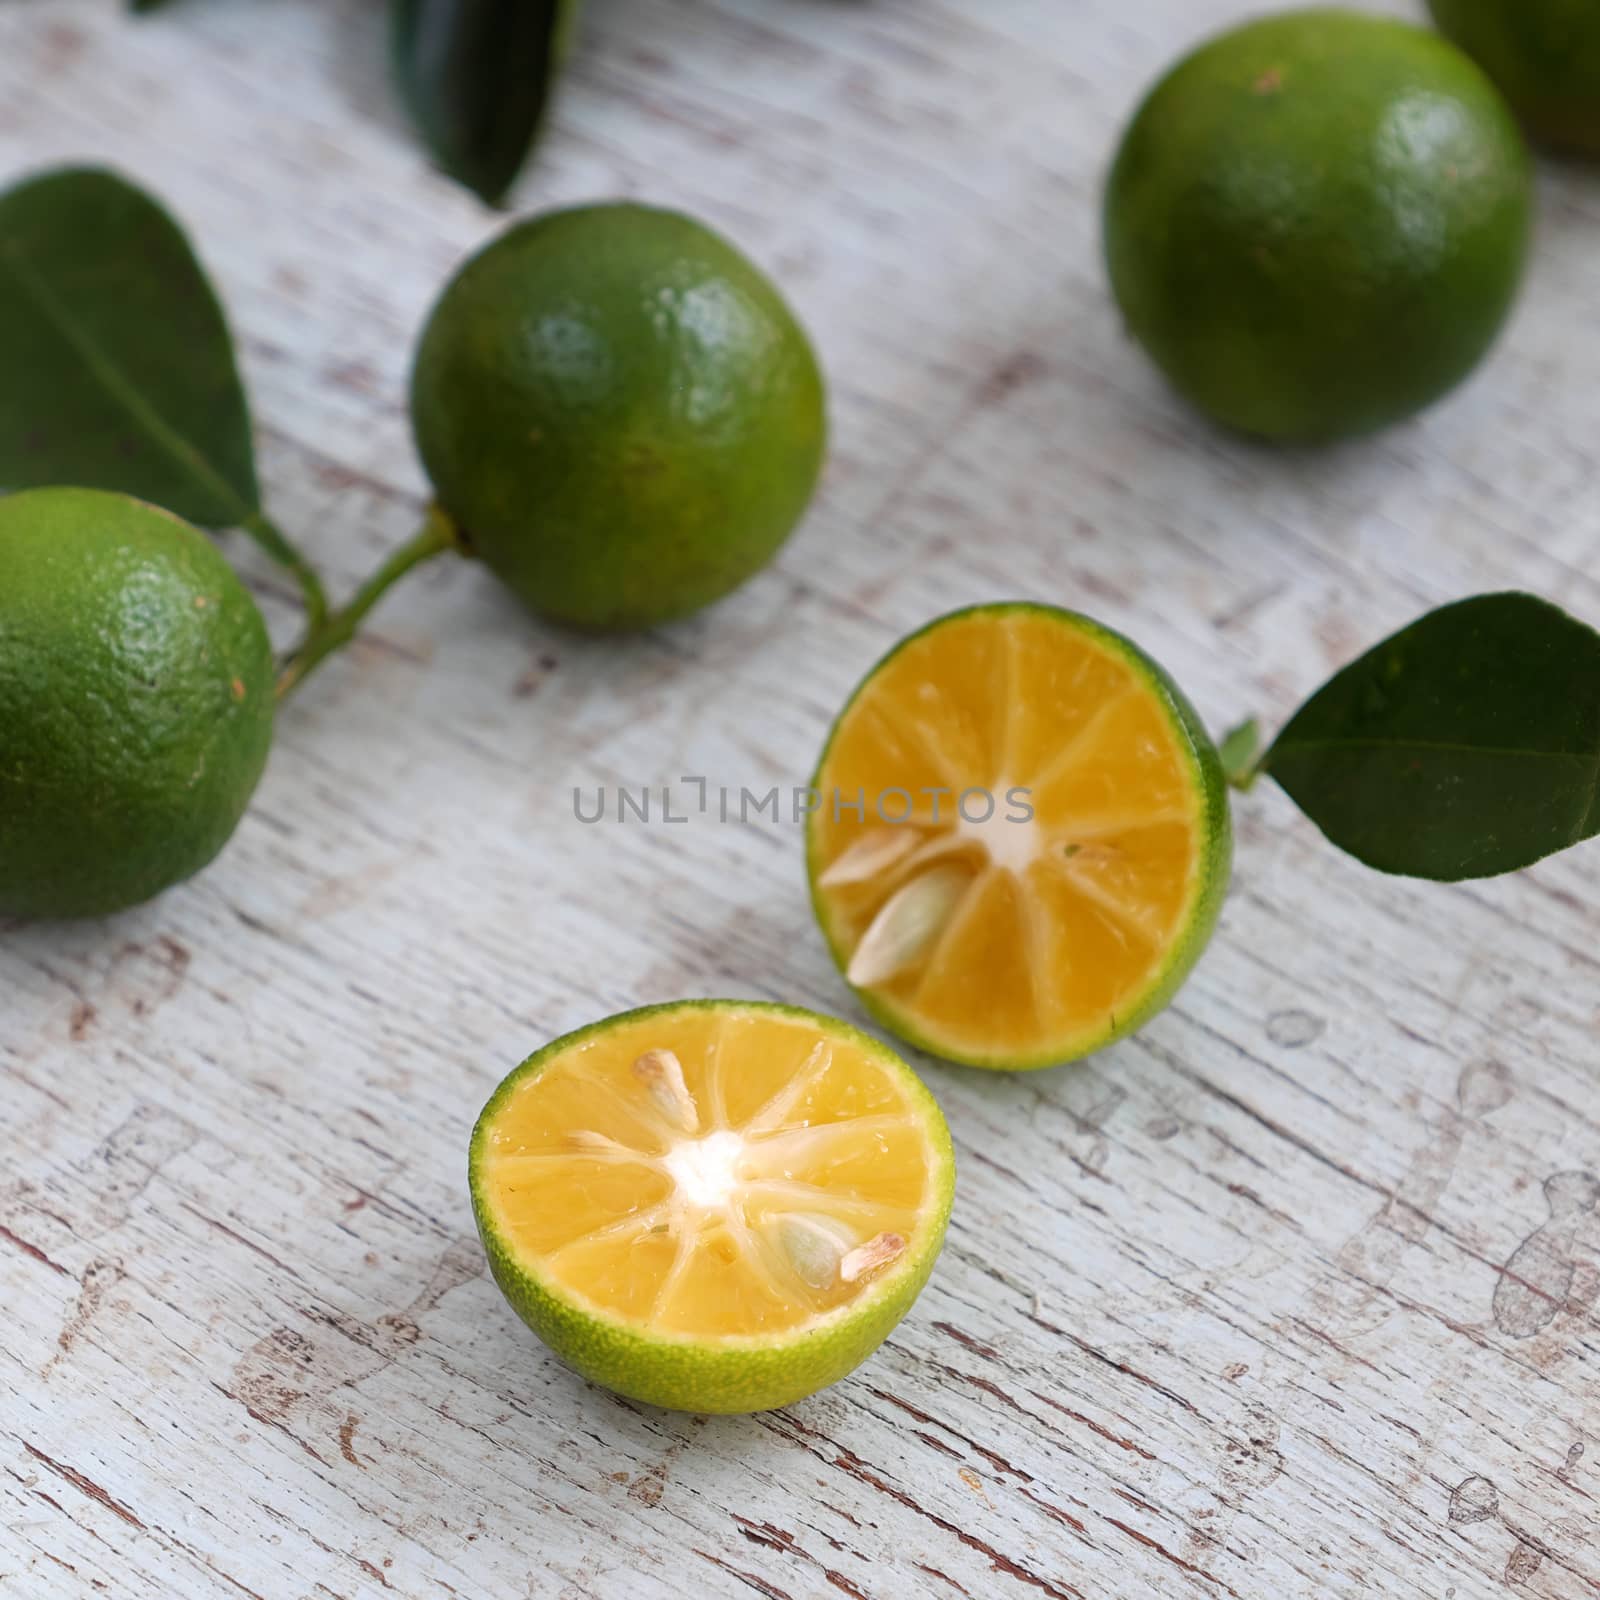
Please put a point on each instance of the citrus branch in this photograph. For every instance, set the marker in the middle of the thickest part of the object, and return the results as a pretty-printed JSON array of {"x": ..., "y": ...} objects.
[
  {"x": 333, "y": 631},
  {"x": 271, "y": 539}
]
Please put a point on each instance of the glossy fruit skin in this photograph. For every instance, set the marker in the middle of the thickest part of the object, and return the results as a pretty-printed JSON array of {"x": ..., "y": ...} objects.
[
  {"x": 136, "y": 702},
  {"x": 1211, "y": 788},
  {"x": 620, "y": 412},
  {"x": 1316, "y": 224},
  {"x": 1545, "y": 56},
  {"x": 733, "y": 1375}
]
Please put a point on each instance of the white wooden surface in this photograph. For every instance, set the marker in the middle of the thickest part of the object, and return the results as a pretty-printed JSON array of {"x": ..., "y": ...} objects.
[{"x": 1226, "y": 1311}]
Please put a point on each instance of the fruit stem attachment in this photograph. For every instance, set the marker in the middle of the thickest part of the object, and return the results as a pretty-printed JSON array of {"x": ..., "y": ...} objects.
[
  {"x": 1240, "y": 752},
  {"x": 272, "y": 540},
  {"x": 338, "y": 628}
]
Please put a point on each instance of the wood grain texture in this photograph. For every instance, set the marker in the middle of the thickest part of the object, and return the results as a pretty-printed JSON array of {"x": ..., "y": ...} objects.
[{"x": 1291, "y": 1295}]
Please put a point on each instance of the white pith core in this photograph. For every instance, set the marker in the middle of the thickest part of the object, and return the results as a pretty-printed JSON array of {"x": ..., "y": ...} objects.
[
  {"x": 713, "y": 1173},
  {"x": 1012, "y": 845},
  {"x": 706, "y": 1171}
]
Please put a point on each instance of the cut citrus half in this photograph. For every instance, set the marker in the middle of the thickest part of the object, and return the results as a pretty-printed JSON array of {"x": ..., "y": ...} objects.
[
  {"x": 1021, "y": 840},
  {"x": 713, "y": 1205}
]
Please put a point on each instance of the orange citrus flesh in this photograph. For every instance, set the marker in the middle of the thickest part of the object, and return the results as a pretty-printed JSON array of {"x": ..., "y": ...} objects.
[
  {"x": 1065, "y": 840},
  {"x": 722, "y": 1172}
]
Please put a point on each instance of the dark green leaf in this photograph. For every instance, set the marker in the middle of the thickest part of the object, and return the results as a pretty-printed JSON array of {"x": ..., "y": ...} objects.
[
  {"x": 477, "y": 77},
  {"x": 145, "y": 5},
  {"x": 118, "y": 371},
  {"x": 1466, "y": 745}
]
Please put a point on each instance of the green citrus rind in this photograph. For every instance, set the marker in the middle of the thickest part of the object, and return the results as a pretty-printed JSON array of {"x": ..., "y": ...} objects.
[
  {"x": 731, "y": 1374},
  {"x": 1545, "y": 57},
  {"x": 1210, "y": 786},
  {"x": 620, "y": 412},
  {"x": 136, "y": 702},
  {"x": 1317, "y": 222}
]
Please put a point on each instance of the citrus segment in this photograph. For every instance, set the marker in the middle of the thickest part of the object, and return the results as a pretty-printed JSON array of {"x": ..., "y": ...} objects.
[
  {"x": 1022, "y": 838},
  {"x": 714, "y": 1205}
]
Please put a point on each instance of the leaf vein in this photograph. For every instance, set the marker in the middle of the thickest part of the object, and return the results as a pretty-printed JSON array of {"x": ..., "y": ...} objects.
[
  {"x": 122, "y": 391},
  {"x": 1443, "y": 746}
]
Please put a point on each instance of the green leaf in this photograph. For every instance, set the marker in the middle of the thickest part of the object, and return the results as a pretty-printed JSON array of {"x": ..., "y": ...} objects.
[
  {"x": 1466, "y": 745},
  {"x": 118, "y": 371},
  {"x": 477, "y": 77}
]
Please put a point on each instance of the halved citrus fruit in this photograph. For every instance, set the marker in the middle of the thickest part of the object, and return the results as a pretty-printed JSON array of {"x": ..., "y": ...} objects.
[
  {"x": 1021, "y": 840},
  {"x": 712, "y": 1205}
]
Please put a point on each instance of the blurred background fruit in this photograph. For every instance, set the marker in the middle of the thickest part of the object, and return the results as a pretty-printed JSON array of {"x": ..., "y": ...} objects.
[
  {"x": 1544, "y": 54},
  {"x": 1316, "y": 223}
]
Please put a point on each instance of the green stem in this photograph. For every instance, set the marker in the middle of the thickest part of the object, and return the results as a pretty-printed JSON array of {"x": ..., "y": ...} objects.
[
  {"x": 338, "y": 628},
  {"x": 1241, "y": 755},
  {"x": 269, "y": 537}
]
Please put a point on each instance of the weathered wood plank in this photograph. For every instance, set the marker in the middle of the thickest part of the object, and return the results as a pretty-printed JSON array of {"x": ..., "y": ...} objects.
[{"x": 1291, "y": 1295}]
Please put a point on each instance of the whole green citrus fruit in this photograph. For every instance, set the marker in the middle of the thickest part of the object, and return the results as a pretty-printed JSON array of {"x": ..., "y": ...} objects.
[
  {"x": 135, "y": 702},
  {"x": 619, "y": 412},
  {"x": 1544, "y": 54},
  {"x": 1316, "y": 223}
]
